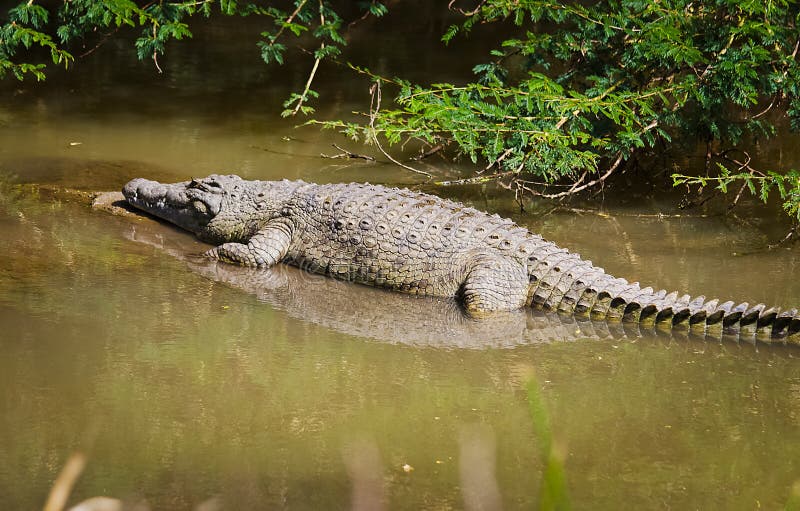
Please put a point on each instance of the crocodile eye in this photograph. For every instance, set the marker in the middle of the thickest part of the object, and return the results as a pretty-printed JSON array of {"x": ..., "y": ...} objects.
[{"x": 200, "y": 206}]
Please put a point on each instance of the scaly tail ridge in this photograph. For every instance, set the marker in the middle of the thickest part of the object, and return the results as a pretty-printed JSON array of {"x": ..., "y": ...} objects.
[{"x": 563, "y": 282}]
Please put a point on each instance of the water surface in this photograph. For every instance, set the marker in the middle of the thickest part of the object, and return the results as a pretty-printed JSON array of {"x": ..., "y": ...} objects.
[{"x": 184, "y": 381}]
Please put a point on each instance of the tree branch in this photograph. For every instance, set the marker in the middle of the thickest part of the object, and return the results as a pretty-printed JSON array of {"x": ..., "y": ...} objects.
[{"x": 374, "y": 107}]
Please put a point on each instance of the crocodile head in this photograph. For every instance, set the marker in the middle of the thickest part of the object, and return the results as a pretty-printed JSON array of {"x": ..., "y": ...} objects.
[{"x": 204, "y": 206}]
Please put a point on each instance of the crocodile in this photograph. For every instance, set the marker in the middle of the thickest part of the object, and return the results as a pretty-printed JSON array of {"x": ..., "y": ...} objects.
[{"x": 422, "y": 244}]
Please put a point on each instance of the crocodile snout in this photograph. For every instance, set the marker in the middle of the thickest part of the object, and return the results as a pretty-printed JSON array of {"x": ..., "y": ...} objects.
[
  {"x": 141, "y": 190},
  {"x": 169, "y": 202},
  {"x": 152, "y": 194},
  {"x": 131, "y": 189}
]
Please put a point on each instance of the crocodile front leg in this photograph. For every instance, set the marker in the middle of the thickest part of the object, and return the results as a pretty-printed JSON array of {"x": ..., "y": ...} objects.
[{"x": 265, "y": 248}]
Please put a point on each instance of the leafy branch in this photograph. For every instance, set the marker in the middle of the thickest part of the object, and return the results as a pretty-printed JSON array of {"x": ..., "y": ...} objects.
[
  {"x": 59, "y": 25},
  {"x": 590, "y": 87},
  {"x": 760, "y": 184},
  {"x": 302, "y": 21}
]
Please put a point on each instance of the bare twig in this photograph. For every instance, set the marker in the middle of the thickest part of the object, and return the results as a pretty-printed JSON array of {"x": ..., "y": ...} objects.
[
  {"x": 767, "y": 109},
  {"x": 359, "y": 19},
  {"x": 347, "y": 154},
  {"x": 792, "y": 234},
  {"x": 597, "y": 181},
  {"x": 430, "y": 152},
  {"x": 738, "y": 196},
  {"x": 518, "y": 193},
  {"x": 497, "y": 161},
  {"x": 374, "y": 107},
  {"x": 473, "y": 12},
  {"x": 284, "y": 153},
  {"x": 578, "y": 181},
  {"x": 621, "y": 214},
  {"x": 99, "y": 44}
]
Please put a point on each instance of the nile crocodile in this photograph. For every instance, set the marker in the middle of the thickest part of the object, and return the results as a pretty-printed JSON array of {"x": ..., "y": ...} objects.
[{"x": 422, "y": 244}]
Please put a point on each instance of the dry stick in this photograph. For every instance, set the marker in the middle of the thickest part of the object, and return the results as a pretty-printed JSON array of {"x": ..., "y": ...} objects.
[
  {"x": 738, "y": 196},
  {"x": 497, "y": 161},
  {"x": 763, "y": 112},
  {"x": 463, "y": 12},
  {"x": 59, "y": 493},
  {"x": 519, "y": 195},
  {"x": 792, "y": 233},
  {"x": 709, "y": 155},
  {"x": 696, "y": 204},
  {"x": 284, "y": 153},
  {"x": 579, "y": 181},
  {"x": 347, "y": 154},
  {"x": 98, "y": 45},
  {"x": 599, "y": 180},
  {"x": 582, "y": 211},
  {"x": 430, "y": 152},
  {"x": 375, "y": 101}
]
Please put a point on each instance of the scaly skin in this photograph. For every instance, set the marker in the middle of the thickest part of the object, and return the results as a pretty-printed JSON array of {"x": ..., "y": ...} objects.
[{"x": 421, "y": 244}]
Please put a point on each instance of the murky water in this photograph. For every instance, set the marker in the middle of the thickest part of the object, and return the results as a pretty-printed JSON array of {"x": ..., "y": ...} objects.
[{"x": 184, "y": 381}]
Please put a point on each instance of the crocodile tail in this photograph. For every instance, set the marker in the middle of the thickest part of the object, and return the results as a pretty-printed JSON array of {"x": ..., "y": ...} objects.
[{"x": 564, "y": 282}]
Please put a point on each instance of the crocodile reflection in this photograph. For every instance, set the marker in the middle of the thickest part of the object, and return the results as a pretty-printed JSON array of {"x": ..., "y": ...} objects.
[{"x": 375, "y": 313}]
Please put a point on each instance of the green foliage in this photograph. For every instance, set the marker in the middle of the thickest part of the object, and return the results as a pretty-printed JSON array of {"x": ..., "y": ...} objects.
[
  {"x": 24, "y": 31},
  {"x": 536, "y": 126},
  {"x": 574, "y": 92},
  {"x": 296, "y": 102},
  {"x": 585, "y": 86},
  {"x": 759, "y": 184},
  {"x": 318, "y": 18},
  {"x": 30, "y": 24}
]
